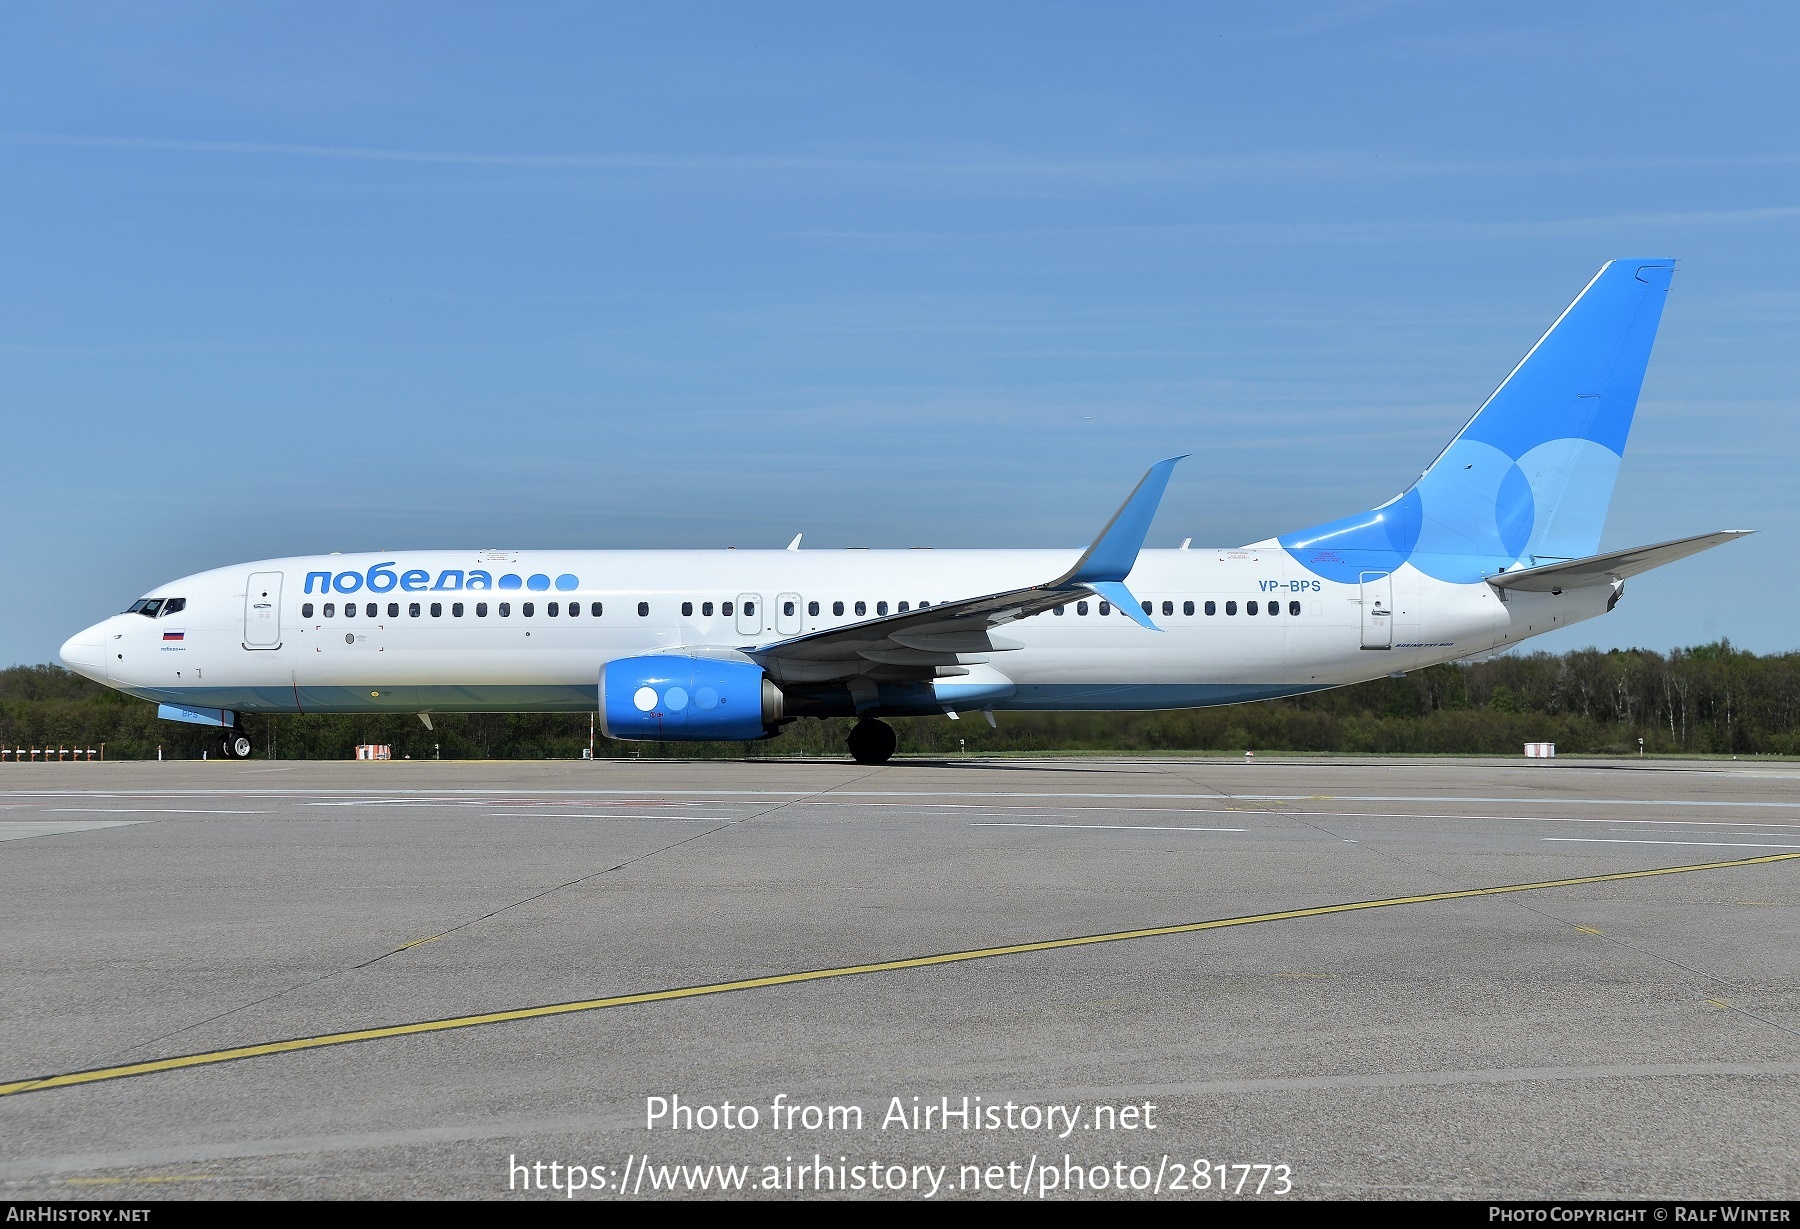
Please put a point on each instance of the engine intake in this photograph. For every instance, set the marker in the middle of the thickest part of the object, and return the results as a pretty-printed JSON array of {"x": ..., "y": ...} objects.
[{"x": 675, "y": 698}]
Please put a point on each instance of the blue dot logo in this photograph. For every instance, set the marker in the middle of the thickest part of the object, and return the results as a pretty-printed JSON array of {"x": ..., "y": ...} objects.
[
  {"x": 566, "y": 582},
  {"x": 509, "y": 581},
  {"x": 676, "y": 698},
  {"x": 538, "y": 583}
]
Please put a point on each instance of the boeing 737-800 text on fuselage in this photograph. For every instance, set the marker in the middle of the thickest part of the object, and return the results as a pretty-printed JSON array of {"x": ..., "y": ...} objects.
[{"x": 1494, "y": 543}]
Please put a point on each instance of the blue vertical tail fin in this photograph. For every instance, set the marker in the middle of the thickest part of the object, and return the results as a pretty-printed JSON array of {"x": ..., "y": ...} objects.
[{"x": 1529, "y": 479}]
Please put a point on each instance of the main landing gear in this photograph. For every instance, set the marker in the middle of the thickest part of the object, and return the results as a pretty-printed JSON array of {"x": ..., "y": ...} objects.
[
  {"x": 235, "y": 746},
  {"x": 872, "y": 741}
]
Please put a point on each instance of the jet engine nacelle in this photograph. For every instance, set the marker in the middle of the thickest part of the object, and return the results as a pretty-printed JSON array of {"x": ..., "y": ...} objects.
[{"x": 667, "y": 697}]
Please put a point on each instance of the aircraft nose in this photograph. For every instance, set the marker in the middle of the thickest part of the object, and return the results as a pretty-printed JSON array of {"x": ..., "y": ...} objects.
[{"x": 85, "y": 653}]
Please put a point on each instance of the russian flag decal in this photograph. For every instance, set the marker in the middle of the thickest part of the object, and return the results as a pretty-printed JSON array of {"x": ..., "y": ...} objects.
[{"x": 174, "y": 635}]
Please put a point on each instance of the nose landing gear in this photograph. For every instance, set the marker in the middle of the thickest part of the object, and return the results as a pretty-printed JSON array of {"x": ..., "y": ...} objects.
[{"x": 872, "y": 741}]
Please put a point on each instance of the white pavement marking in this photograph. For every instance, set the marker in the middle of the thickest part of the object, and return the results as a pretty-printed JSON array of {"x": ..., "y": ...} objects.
[
  {"x": 147, "y": 811},
  {"x": 1114, "y": 827},
  {"x": 18, "y": 830},
  {"x": 822, "y": 795},
  {"x": 692, "y": 819},
  {"x": 1604, "y": 840}
]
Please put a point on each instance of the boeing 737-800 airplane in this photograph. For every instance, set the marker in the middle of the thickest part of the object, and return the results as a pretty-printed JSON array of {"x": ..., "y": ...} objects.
[{"x": 1494, "y": 543}]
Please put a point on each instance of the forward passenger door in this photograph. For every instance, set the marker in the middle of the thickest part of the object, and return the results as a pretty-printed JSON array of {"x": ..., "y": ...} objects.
[{"x": 262, "y": 611}]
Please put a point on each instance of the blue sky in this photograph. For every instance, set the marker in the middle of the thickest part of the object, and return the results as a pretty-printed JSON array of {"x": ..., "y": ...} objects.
[{"x": 285, "y": 278}]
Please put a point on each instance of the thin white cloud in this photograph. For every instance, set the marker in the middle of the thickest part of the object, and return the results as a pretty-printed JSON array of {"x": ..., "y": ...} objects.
[
  {"x": 1349, "y": 163},
  {"x": 1327, "y": 232}
]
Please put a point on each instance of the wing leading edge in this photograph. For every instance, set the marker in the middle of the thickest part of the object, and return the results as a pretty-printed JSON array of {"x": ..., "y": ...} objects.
[{"x": 942, "y": 641}]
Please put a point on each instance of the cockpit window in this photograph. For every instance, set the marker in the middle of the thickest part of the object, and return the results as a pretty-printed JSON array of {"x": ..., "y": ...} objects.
[
  {"x": 172, "y": 604},
  {"x": 149, "y": 607},
  {"x": 135, "y": 606}
]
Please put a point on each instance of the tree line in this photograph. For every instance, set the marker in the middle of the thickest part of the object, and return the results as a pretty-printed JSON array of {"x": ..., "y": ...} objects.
[{"x": 1709, "y": 699}]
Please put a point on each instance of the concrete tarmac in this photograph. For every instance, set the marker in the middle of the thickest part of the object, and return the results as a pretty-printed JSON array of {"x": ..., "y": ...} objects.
[{"x": 1628, "y": 1036}]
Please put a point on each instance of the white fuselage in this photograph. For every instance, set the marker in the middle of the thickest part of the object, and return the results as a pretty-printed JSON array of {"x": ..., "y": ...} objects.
[{"x": 285, "y": 643}]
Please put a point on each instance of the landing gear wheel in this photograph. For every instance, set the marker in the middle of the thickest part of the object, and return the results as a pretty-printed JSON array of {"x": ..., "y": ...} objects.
[
  {"x": 872, "y": 742},
  {"x": 237, "y": 747}
]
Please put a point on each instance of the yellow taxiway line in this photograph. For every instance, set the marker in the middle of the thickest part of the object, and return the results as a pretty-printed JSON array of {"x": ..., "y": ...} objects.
[{"x": 294, "y": 1044}]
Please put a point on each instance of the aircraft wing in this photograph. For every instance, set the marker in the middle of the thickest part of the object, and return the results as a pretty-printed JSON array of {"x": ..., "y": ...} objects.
[
  {"x": 1604, "y": 569},
  {"x": 937, "y": 641}
]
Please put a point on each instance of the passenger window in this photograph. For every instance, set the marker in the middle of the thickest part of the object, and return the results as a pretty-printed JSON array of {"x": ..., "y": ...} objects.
[
  {"x": 412, "y": 611},
  {"x": 1293, "y": 608},
  {"x": 528, "y": 609},
  {"x": 597, "y": 609},
  {"x": 1249, "y": 608},
  {"x": 373, "y": 610},
  {"x": 1230, "y": 607},
  {"x": 481, "y": 610},
  {"x": 171, "y": 605},
  {"x": 349, "y": 610},
  {"x": 1274, "y": 608},
  {"x": 1059, "y": 610},
  {"x": 687, "y": 610},
  {"x": 305, "y": 610},
  {"x": 1146, "y": 606},
  {"x": 904, "y": 607},
  {"x": 1105, "y": 608},
  {"x": 643, "y": 610},
  {"x": 506, "y": 610},
  {"x": 787, "y": 608},
  {"x": 706, "y": 609},
  {"x": 393, "y": 610},
  {"x": 749, "y": 608},
  {"x": 880, "y": 608},
  {"x": 456, "y": 609},
  {"x": 574, "y": 610},
  {"x": 812, "y": 608},
  {"x": 1080, "y": 608},
  {"x": 862, "y": 608},
  {"x": 552, "y": 610},
  {"x": 725, "y": 609},
  {"x": 437, "y": 610},
  {"x": 1169, "y": 608},
  {"x": 330, "y": 609},
  {"x": 837, "y": 608},
  {"x": 1212, "y": 608}
]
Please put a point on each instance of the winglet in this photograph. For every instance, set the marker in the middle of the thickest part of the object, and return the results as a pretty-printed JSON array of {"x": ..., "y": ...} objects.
[
  {"x": 1112, "y": 555},
  {"x": 1121, "y": 598},
  {"x": 1115, "y": 551}
]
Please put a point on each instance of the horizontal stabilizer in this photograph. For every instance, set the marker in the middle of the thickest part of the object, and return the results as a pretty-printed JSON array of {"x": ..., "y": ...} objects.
[{"x": 1603, "y": 569}]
